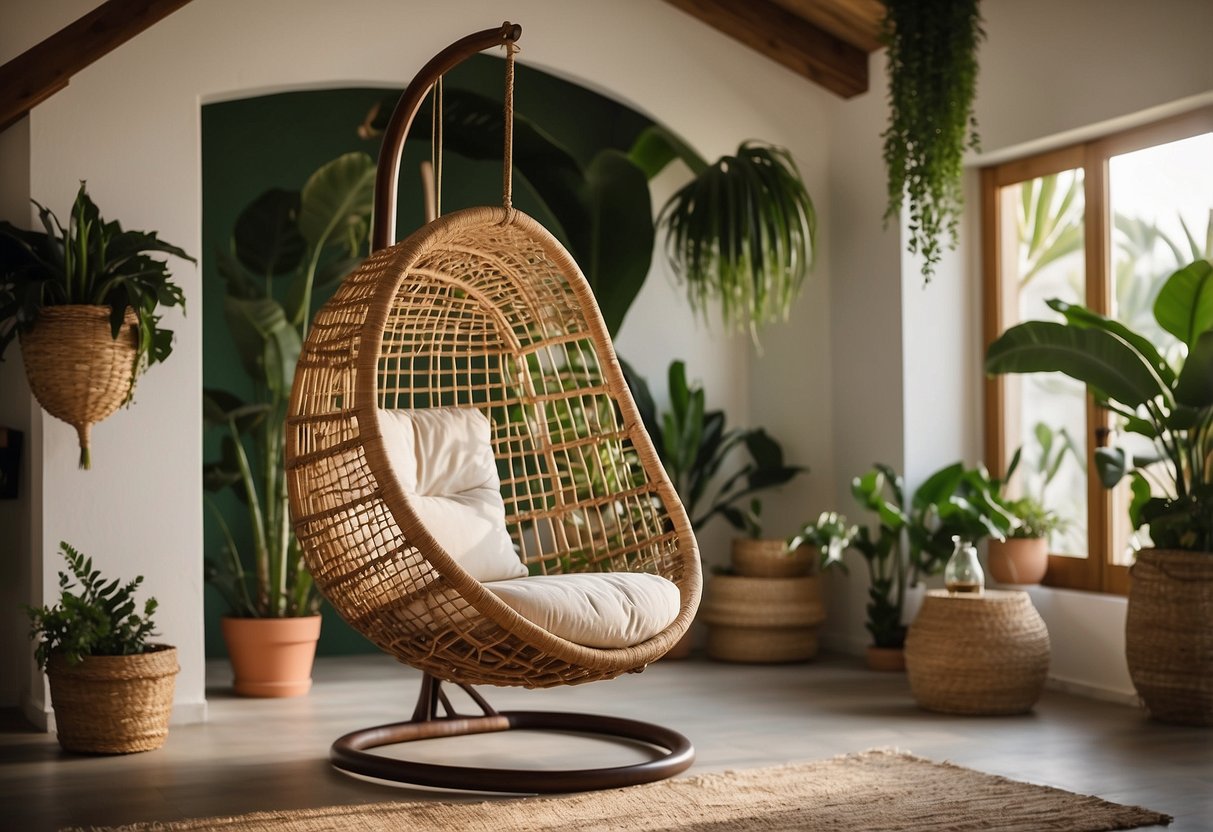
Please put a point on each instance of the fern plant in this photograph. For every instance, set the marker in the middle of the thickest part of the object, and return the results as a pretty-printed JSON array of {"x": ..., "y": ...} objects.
[
  {"x": 93, "y": 617},
  {"x": 932, "y": 82}
]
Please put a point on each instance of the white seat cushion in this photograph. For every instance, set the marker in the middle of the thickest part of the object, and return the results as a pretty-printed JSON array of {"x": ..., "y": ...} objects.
[
  {"x": 443, "y": 459},
  {"x": 597, "y": 609}
]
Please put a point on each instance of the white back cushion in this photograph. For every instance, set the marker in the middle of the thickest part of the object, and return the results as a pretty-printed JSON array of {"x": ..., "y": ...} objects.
[
  {"x": 596, "y": 609},
  {"x": 443, "y": 459}
]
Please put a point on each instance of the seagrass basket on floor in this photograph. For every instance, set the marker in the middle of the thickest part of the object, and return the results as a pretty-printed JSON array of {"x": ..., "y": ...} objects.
[
  {"x": 763, "y": 620},
  {"x": 77, "y": 370},
  {"x": 114, "y": 704},
  {"x": 770, "y": 558},
  {"x": 977, "y": 653},
  {"x": 1169, "y": 634}
]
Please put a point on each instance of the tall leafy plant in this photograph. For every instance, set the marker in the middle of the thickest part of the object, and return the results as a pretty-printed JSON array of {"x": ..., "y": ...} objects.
[
  {"x": 712, "y": 467},
  {"x": 1169, "y": 404},
  {"x": 303, "y": 240},
  {"x": 932, "y": 66}
]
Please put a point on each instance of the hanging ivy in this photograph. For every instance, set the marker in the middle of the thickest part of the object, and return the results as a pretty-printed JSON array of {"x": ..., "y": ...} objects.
[{"x": 932, "y": 65}]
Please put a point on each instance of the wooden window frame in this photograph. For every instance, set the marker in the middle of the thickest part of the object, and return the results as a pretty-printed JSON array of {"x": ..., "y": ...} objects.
[{"x": 1095, "y": 572}]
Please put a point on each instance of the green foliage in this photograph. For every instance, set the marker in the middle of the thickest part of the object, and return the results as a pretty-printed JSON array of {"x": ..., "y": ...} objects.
[
  {"x": 93, "y": 617},
  {"x": 92, "y": 262},
  {"x": 932, "y": 66},
  {"x": 1170, "y": 405},
  {"x": 1034, "y": 519},
  {"x": 742, "y": 234},
  {"x": 830, "y": 534},
  {"x": 915, "y": 539},
  {"x": 698, "y": 451},
  {"x": 303, "y": 239}
]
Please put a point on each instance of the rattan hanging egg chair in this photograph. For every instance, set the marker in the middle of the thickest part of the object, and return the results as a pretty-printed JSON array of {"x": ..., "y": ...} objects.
[{"x": 480, "y": 317}]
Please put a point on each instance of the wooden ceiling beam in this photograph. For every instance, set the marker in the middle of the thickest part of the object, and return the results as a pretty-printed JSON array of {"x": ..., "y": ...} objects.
[
  {"x": 40, "y": 72},
  {"x": 791, "y": 40}
]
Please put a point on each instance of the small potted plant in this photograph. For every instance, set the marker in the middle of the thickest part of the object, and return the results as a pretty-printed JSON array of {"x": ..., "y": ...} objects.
[
  {"x": 112, "y": 691},
  {"x": 83, "y": 301},
  {"x": 1023, "y": 557}
]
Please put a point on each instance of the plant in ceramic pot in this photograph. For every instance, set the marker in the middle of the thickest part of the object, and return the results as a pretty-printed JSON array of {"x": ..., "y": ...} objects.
[
  {"x": 1023, "y": 557},
  {"x": 84, "y": 300},
  {"x": 1168, "y": 632},
  {"x": 285, "y": 245},
  {"x": 913, "y": 540},
  {"x": 112, "y": 691}
]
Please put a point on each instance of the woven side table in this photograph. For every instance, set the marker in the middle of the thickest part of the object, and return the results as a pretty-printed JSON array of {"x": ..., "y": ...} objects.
[{"x": 977, "y": 654}]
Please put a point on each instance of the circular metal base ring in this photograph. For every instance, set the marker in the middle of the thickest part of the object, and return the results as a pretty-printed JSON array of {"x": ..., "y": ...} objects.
[{"x": 349, "y": 753}]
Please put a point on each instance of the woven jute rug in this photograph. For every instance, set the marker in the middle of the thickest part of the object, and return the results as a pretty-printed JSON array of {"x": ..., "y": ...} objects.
[{"x": 876, "y": 791}]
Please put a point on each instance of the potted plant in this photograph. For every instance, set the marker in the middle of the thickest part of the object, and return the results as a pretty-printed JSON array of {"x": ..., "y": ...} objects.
[
  {"x": 1023, "y": 557},
  {"x": 1168, "y": 632},
  {"x": 700, "y": 454},
  {"x": 932, "y": 67},
  {"x": 756, "y": 556},
  {"x": 302, "y": 240},
  {"x": 915, "y": 540},
  {"x": 83, "y": 301},
  {"x": 112, "y": 691}
]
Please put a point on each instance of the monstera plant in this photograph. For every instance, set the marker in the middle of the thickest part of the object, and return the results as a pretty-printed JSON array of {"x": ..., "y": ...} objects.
[{"x": 284, "y": 247}]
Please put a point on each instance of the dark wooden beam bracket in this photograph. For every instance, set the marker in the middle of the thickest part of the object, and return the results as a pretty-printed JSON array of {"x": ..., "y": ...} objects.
[
  {"x": 40, "y": 72},
  {"x": 788, "y": 39}
]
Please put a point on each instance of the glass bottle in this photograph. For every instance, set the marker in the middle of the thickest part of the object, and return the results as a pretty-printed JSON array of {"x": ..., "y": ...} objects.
[{"x": 963, "y": 572}]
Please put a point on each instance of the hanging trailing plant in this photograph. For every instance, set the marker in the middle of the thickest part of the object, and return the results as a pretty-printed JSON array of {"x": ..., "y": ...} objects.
[{"x": 932, "y": 65}]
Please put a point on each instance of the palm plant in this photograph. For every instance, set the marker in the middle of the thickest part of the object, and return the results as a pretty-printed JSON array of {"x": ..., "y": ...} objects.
[{"x": 309, "y": 239}]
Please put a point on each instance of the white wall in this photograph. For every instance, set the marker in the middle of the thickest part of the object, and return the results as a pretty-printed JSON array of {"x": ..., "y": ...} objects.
[
  {"x": 130, "y": 125},
  {"x": 1049, "y": 73}
]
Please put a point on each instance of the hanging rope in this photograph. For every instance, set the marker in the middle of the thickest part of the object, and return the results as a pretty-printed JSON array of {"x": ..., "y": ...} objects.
[
  {"x": 436, "y": 147},
  {"x": 507, "y": 184}
]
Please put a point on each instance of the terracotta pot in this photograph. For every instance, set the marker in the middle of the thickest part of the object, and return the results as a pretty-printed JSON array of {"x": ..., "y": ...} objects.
[
  {"x": 770, "y": 558},
  {"x": 886, "y": 659},
  {"x": 1018, "y": 560},
  {"x": 272, "y": 657},
  {"x": 114, "y": 704},
  {"x": 1169, "y": 634}
]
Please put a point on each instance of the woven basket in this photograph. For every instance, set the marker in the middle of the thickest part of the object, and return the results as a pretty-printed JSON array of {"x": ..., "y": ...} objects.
[
  {"x": 114, "y": 704},
  {"x": 1169, "y": 634},
  {"x": 762, "y": 620},
  {"x": 770, "y": 558},
  {"x": 977, "y": 654},
  {"x": 77, "y": 370}
]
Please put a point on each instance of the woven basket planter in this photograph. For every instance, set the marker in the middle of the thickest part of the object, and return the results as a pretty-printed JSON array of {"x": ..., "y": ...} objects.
[
  {"x": 77, "y": 370},
  {"x": 114, "y": 704},
  {"x": 770, "y": 558},
  {"x": 762, "y": 620},
  {"x": 977, "y": 654},
  {"x": 1169, "y": 634}
]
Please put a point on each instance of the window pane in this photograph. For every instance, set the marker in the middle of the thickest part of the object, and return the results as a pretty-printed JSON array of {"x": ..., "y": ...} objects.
[
  {"x": 1162, "y": 198},
  {"x": 1048, "y": 411}
]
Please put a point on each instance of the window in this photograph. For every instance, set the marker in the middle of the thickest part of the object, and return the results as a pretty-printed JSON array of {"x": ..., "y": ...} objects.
[{"x": 1101, "y": 223}]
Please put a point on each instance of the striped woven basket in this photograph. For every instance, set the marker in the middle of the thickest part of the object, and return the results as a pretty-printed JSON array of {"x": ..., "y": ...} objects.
[
  {"x": 770, "y": 558},
  {"x": 1169, "y": 634},
  {"x": 114, "y": 704},
  {"x": 763, "y": 620},
  {"x": 977, "y": 654},
  {"x": 77, "y": 370}
]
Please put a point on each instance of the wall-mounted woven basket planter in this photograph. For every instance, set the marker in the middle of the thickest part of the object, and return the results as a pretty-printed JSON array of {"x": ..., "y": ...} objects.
[
  {"x": 114, "y": 704},
  {"x": 77, "y": 370}
]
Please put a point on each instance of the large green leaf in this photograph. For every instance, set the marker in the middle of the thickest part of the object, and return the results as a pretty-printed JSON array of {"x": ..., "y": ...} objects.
[
  {"x": 619, "y": 249},
  {"x": 1080, "y": 316},
  {"x": 1184, "y": 306},
  {"x": 267, "y": 343},
  {"x": 266, "y": 235},
  {"x": 336, "y": 196},
  {"x": 1195, "y": 385},
  {"x": 657, "y": 146},
  {"x": 221, "y": 408},
  {"x": 1110, "y": 366}
]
